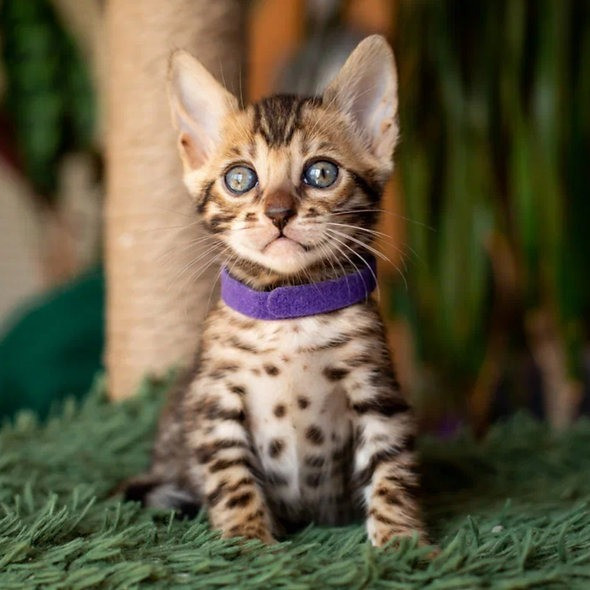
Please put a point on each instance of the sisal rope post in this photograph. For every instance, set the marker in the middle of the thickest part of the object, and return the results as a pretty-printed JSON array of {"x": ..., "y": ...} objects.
[{"x": 157, "y": 291}]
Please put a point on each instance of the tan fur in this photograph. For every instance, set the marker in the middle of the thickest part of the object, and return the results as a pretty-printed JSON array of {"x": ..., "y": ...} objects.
[{"x": 290, "y": 421}]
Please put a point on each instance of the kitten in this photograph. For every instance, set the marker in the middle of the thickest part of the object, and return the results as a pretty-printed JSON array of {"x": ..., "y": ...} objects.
[{"x": 287, "y": 421}]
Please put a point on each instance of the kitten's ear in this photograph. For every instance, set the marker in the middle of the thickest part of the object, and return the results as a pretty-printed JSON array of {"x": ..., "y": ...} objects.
[
  {"x": 199, "y": 104},
  {"x": 366, "y": 90}
]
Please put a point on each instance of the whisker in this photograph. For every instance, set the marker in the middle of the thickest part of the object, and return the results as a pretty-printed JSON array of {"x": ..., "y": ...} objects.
[
  {"x": 175, "y": 211},
  {"x": 386, "y": 212},
  {"x": 356, "y": 267},
  {"x": 243, "y": 227},
  {"x": 218, "y": 276},
  {"x": 153, "y": 229},
  {"x": 337, "y": 259},
  {"x": 379, "y": 238},
  {"x": 182, "y": 248},
  {"x": 191, "y": 264},
  {"x": 362, "y": 244},
  {"x": 326, "y": 252},
  {"x": 370, "y": 249},
  {"x": 206, "y": 266},
  {"x": 365, "y": 229}
]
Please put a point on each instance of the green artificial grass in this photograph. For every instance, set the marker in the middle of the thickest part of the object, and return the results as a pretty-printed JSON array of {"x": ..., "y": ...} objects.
[{"x": 511, "y": 512}]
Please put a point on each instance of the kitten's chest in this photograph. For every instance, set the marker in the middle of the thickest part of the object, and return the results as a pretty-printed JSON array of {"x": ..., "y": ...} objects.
[
  {"x": 291, "y": 406},
  {"x": 297, "y": 409},
  {"x": 300, "y": 428}
]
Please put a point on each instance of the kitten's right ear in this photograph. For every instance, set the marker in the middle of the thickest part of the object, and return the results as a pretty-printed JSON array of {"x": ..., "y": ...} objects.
[
  {"x": 366, "y": 90},
  {"x": 199, "y": 104}
]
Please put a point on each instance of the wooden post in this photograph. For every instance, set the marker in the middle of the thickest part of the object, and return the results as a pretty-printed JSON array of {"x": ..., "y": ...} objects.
[{"x": 156, "y": 293}]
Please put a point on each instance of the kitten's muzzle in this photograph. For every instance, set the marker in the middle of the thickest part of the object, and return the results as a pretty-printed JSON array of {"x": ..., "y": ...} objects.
[{"x": 279, "y": 207}]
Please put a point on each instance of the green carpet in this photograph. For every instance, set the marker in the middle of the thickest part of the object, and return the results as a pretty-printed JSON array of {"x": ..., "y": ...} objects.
[{"x": 508, "y": 513}]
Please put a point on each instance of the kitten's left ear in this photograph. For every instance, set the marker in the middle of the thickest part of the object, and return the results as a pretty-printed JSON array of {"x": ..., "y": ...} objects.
[{"x": 366, "y": 90}]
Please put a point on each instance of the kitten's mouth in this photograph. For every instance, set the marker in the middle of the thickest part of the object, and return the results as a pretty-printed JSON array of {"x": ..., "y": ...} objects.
[{"x": 283, "y": 246}]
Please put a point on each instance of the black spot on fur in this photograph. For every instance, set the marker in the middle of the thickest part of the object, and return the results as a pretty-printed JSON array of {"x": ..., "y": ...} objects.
[
  {"x": 381, "y": 517},
  {"x": 333, "y": 343},
  {"x": 240, "y": 501},
  {"x": 206, "y": 452},
  {"x": 240, "y": 345},
  {"x": 390, "y": 496},
  {"x": 407, "y": 484},
  {"x": 302, "y": 402},
  {"x": 335, "y": 374},
  {"x": 222, "y": 464},
  {"x": 217, "y": 494},
  {"x": 314, "y": 435},
  {"x": 271, "y": 370},
  {"x": 221, "y": 370},
  {"x": 384, "y": 377},
  {"x": 339, "y": 454},
  {"x": 313, "y": 480},
  {"x": 274, "y": 478},
  {"x": 275, "y": 447},
  {"x": 363, "y": 477},
  {"x": 254, "y": 515},
  {"x": 386, "y": 405},
  {"x": 314, "y": 461},
  {"x": 359, "y": 361},
  {"x": 214, "y": 411},
  {"x": 238, "y": 389},
  {"x": 280, "y": 410}
]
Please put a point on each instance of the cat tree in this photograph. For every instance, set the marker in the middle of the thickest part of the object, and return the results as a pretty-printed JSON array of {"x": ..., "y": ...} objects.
[{"x": 155, "y": 301}]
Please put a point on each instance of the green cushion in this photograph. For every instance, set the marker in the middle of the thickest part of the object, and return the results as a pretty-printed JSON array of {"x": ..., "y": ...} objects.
[{"x": 54, "y": 347}]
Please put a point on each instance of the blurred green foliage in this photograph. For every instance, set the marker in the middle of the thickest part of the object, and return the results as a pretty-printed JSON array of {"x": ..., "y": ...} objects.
[
  {"x": 495, "y": 121},
  {"x": 49, "y": 97}
]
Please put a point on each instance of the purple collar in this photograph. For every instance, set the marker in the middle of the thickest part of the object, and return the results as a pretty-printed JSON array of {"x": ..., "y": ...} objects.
[{"x": 285, "y": 303}]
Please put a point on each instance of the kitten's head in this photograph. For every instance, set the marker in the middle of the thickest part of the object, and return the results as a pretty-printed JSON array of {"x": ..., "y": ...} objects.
[{"x": 291, "y": 185}]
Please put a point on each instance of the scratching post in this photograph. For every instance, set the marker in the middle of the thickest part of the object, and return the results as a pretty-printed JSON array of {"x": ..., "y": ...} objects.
[{"x": 155, "y": 302}]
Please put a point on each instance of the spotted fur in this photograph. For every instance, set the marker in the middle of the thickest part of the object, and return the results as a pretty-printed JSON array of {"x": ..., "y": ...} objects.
[{"x": 286, "y": 422}]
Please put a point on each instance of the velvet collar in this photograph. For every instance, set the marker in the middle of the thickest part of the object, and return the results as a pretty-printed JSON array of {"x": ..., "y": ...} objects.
[{"x": 301, "y": 300}]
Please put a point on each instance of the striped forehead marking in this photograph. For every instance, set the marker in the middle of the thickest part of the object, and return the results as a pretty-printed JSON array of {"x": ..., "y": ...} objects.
[{"x": 276, "y": 118}]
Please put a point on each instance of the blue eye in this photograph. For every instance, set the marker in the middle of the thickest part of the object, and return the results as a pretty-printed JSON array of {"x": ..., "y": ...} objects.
[
  {"x": 240, "y": 179},
  {"x": 321, "y": 174}
]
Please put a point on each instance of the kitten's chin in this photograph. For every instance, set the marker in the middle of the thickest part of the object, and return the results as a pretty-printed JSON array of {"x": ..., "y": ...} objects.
[
  {"x": 281, "y": 255},
  {"x": 283, "y": 247},
  {"x": 284, "y": 255}
]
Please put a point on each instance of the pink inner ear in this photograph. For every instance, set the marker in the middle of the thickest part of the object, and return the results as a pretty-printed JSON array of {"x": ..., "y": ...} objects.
[{"x": 190, "y": 153}]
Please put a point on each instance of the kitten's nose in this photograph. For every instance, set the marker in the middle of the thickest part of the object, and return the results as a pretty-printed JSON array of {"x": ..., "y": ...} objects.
[{"x": 279, "y": 207}]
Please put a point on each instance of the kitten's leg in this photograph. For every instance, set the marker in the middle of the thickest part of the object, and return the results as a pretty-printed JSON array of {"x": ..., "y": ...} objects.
[
  {"x": 384, "y": 464},
  {"x": 164, "y": 484},
  {"x": 222, "y": 462}
]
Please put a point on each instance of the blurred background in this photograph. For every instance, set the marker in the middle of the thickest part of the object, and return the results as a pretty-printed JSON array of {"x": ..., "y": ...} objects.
[{"x": 485, "y": 272}]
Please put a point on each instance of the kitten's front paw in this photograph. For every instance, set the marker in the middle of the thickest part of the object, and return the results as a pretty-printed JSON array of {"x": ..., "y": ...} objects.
[
  {"x": 381, "y": 530},
  {"x": 250, "y": 531}
]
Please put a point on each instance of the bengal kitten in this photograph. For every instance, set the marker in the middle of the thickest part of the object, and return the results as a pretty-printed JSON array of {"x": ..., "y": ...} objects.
[{"x": 289, "y": 421}]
